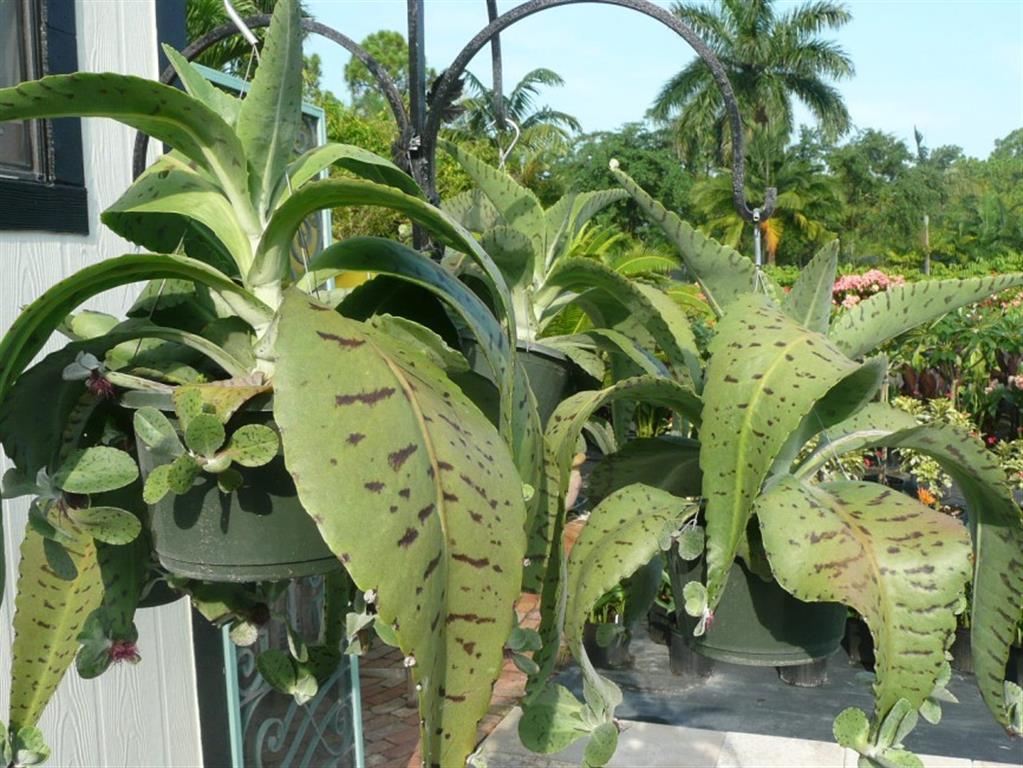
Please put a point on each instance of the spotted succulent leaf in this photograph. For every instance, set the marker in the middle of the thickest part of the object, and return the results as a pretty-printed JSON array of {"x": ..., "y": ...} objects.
[
  {"x": 197, "y": 86},
  {"x": 271, "y": 112},
  {"x": 622, "y": 534},
  {"x": 95, "y": 470},
  {"x": 518, "y": 206},
  {"x": 204, "y": 434},
  {"x": 49, "y": 614},
  {"x": 900, "y": 564},
  {"x": 357, "y": 160},
  {"x": 157, "y": 484},
  {"x": 566, "y": 218},
  {"x": 110, "y": 525},
  {"x": 253, "y": 445},
  {"x": 996, "y": 526},
  {"x": 223, "y": 398},
  {"x": 552, "y": 720},
  {"x": 158, "y": 209},
  {"x": 156, "y": 431},
  {"x": 428, "y": 341},
  {"x": 472, "y": 209},
  {"x": 181, "y": 473},
  {"x": 566, "y": 425},
  {"x": 770, "y": 383},
  {"x": 724, "y": 274},
  {"x": 34, "y": 325},
  {"x": 430, "y": 490},
  {"x": 901, "y": 307},
  {"x": 852, "y": 729},
  {"x": 810, "y": 300},
  {"x": 647, "y": 306}
]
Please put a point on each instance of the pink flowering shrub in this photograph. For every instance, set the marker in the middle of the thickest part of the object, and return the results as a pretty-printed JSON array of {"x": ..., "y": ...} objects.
[{"x": 850, "y": 290}]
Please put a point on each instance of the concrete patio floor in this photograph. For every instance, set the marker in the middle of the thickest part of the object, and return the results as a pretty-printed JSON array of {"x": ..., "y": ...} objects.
[{"x": 745, "y": 717}]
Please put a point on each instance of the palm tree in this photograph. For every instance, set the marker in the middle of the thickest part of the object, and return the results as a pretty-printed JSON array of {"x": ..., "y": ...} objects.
[
  {"x": 542, "y": 128},
  {"x": 769, "y": 58}
]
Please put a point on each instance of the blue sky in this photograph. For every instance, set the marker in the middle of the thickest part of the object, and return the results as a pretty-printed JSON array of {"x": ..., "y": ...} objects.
[{"x": 953, "y": 68}]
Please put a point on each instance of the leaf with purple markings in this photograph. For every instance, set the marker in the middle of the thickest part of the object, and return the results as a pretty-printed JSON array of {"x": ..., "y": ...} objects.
[
  {"x": 723, "y": 273},
  {"x": 810, "y": 300},
  {"x": 900, "y": 564},
  {"x": 996, "y": 528},
  {"x": 770, "y": 384},
  {"x": 49, "y": 614},
  {"x": 95, "y": 470},
  {"x": 433, "y": 515},
  {"x": 899, "y": 308}
]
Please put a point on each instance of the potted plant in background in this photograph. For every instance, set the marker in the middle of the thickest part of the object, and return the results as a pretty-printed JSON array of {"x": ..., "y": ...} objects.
[
  {"x": 532, "y": 247},
  {"x": 252, "y": 399}
]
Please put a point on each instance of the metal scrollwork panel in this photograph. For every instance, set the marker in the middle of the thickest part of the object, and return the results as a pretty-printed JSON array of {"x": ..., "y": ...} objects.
[{"x": 275, "y": 731}]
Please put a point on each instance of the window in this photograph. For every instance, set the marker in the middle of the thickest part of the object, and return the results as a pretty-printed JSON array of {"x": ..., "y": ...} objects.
[{"x": 42, "y": 184}]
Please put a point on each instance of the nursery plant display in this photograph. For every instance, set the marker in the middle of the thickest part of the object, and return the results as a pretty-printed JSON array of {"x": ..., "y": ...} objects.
[
  {"x": 785, "y": 391},
  {"x": 241, "y": 369}
]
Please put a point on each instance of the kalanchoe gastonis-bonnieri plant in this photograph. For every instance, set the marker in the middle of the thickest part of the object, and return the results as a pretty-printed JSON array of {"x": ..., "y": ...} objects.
[
  {"x": 434, "y": 516},
  {"x": 786, "y": 391},
  {"x": 532, "y": 247}
]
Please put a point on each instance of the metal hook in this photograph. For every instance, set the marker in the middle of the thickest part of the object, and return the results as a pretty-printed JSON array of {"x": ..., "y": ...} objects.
[{"x": 243, "y": 28}]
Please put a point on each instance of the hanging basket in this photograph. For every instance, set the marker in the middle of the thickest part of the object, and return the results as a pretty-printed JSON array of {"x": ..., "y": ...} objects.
[{"x": 258, "y": 533}]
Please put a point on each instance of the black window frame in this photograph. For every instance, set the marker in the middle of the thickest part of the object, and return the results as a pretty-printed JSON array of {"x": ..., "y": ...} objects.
[{"x": 59, "y": 203}]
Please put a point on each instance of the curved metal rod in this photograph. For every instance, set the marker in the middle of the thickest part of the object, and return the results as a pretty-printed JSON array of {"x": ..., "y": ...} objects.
[
  {"x": 446, "y": 88},
  {"x": 384, "y": 81}
]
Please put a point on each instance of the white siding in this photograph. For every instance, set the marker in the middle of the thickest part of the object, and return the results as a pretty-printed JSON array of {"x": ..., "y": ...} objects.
[{"x": 144, "y": 715}]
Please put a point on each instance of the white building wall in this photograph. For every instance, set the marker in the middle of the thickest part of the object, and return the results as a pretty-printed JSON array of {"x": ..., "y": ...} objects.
[{"x": 143, "y": 715}]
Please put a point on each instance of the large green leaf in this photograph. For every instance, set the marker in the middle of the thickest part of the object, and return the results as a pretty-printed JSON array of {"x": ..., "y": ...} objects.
[
  {"x": 357, "y": 160},
  {"x": 272, "y": 256},
  {"x": 899, "y": 308},
  {"x": 563, "y": 430},
  {"x": 153, "y": 212},
  {"x": 271, "y": 113},
  {"x": 518, "y": 206},
  {"x": 35, "y": 324},
  {"x": 646, "y": 306},
  {"x": 809, "y": 301},
  {"x": 220, "y": 101},
  {"x": 623, "y": 533},
  {"x": 49, "y": 614},
  {"x": 723, "y": 273},
  {"x": 518, "y": 419},
  {"x": 513, "y": 253},
  {"x": 873, "y": 422},
  {"x": 472, "y": 209},
  {"x": 996, "y": 524},
  {"x": 769, "y": 383},
  {"x": 432, "y": 515},
  {"x": 167, "y": 114},
  {"x": 900, "y": 564}
]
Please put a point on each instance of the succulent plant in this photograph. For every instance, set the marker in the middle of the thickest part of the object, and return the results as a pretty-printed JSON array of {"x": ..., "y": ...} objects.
[
  {"x": 786, "y": 390},
  {"x": 365, "y": 409}
]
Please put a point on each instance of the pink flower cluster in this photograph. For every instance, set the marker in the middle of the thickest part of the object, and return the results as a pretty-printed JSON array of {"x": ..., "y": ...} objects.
[{"x": 850, "y": 290}]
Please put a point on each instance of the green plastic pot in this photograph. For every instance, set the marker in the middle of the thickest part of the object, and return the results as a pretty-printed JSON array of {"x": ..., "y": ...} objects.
[
  {"x": 552, "y": 377},
  {"x": 258, "y": 533},
  {"x": 757, "y": 623}
]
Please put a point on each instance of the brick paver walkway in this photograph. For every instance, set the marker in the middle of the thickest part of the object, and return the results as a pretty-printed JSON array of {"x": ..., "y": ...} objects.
[{"x": 390, "y": 720}]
